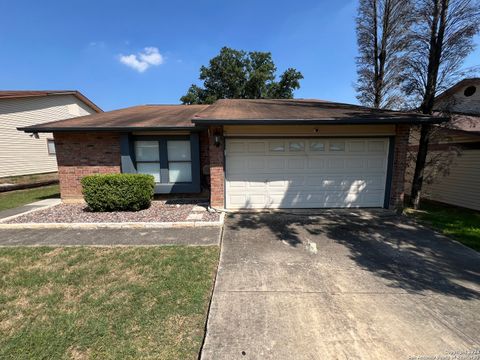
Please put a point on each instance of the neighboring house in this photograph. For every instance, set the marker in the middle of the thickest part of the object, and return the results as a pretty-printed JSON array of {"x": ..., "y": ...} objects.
[
  {"x": 23, "y": 154},
  {"x": 455, "y": 148},
  {"x": 247, "y": 153}
]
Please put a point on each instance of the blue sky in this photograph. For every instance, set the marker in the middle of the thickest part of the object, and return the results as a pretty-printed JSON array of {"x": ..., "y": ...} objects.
[{"x": 79, "y": 45}]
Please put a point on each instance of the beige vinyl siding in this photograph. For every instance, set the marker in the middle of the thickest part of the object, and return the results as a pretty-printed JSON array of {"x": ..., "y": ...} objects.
[
  {"x": 458, "y": 102},
  {"x": 461, "y": 187},
  {"x": 308, "y": 130},
  {"x": 21, "y": 153}
]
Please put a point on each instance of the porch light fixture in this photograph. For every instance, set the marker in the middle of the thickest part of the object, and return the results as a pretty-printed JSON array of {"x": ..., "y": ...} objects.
[{"x": 217, "y": 138}]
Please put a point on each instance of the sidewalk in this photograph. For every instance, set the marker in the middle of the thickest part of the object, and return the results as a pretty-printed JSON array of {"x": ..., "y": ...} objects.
[
  {"x": 29, "y": 207},
  {"x": 208, "y": 235}
]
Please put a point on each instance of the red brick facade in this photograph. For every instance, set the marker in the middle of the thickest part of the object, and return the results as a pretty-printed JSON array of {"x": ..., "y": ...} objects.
[
  {"x": 217, "y": 172},
  {"x": 204, "y": 160},
  {"x": 81, "y": 154},
  {"x": 397, "y": 193}
]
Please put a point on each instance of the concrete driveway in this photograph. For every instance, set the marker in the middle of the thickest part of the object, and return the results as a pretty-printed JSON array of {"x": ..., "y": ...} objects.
[{"x": 342, "y": 285}]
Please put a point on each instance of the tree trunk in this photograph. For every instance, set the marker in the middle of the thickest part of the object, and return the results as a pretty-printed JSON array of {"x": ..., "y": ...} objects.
[
  {"x": 437, "y": 32},
  {"x": 377, "y": 99},
  {"x": 417, "y": 182}
]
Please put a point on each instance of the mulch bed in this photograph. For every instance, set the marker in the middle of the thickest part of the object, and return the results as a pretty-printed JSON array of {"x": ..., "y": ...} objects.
[{"x": 160, "y": 211}]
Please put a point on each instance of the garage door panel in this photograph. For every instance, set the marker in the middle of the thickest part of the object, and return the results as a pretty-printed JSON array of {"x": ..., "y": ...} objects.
[
  {"x": 276, "y": 163},
  {"x": 256, "y": 147},
  {"x": 377, "y": 163},
  {"x": 352, "y": 163},
  {"x": 356, "y": 146},
  {"x": 336, "y": 163},
  {"x": 296, "y": 164},
  {"x": 377, "y": 146},
  {"x": 305, "y": 173},
  {"x": 316, "y": 163}
]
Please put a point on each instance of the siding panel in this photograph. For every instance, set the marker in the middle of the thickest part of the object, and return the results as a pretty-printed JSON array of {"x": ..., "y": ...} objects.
[
  {"x": 21, "y": 153},
  {"x": 461, "y": 187}
]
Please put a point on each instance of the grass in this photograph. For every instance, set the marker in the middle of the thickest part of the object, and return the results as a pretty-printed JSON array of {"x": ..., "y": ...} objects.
[
  {"x": 457, "y": 223},
  {"x": 104, "y": 303},
  {"x": 13, "y": 199}
]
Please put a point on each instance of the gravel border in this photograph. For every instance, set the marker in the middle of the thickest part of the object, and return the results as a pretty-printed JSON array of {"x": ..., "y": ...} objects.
[{"x": 162, "y": 214}]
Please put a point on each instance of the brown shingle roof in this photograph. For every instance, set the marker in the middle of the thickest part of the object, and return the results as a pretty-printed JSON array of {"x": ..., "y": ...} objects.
[
  {"x": 158, "y": 117},
  {"x": 153, "y": 117},
  {"x": 18, "y": 94},
  {"x": 301, "y": 111}
]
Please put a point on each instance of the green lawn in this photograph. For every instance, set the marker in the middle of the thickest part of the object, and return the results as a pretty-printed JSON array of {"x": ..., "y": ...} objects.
[
  {"x": 457, "y": 223},
  {"x": 17, "y": 198},
  {"x": 104, "y": 303}
]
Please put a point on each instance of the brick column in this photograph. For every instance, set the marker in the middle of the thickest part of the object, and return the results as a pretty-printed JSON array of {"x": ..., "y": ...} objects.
[
  {"x": 217, "y": 168},
  {"x": 402, "y": 133}
]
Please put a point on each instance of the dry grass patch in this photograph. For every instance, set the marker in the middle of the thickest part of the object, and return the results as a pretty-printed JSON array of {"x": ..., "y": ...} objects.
[{"x": 104, "y": 303}]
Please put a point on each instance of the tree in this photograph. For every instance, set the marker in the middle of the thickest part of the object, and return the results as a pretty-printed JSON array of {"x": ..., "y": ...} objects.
[
  {"x": 383, "y": 37},
  {"x": 442, "y": 37},
  {"x": 236, "y": 74}
]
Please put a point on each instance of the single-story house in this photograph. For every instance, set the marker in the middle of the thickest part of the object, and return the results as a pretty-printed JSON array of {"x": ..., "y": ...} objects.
[
  {"x": 22, "y": 154},
  {"x": 246, "y": 153},
  {"x": 453, "y": 171}
]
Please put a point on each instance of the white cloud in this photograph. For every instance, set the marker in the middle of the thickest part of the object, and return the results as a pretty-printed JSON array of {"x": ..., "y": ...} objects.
[{"x": 141, "y": 61}]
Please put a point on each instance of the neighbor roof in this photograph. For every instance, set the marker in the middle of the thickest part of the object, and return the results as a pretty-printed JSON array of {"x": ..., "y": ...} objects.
[
  {"x": 18, "y": 94},
  {"x": 468, "y": 125},
  {"x": 144, "y": 117},
  {"x": 165, "y": 117},
  {"x": 301, "y": 112}
]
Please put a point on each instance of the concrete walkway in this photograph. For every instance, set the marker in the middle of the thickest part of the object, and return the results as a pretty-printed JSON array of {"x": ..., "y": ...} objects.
[
  {"x": 107, "y": 237},
  {"x": 342, "y": 285},
  {"x": 29, "y": 207}
]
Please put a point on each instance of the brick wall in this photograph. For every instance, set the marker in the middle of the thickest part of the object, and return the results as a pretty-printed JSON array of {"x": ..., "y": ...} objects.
[
  {"x": 217, "y": 175},
  {"x": 81, "y": 154},
  {"x": 399, "y": 166},
  {"x": 204, "y": 160}
]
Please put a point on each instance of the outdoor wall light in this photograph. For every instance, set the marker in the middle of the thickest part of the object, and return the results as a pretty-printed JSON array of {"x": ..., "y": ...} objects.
[{"x": 217, "y": 139}]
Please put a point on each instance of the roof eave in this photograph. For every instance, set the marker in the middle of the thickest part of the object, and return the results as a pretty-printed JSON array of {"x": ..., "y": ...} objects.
[{"x": 33, "y": 129}]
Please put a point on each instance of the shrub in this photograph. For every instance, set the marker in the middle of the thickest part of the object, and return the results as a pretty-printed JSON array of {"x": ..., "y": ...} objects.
[{"x": 118, "y": 192}]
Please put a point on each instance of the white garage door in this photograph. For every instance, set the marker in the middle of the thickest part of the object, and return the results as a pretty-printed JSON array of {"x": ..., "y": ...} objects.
[{"x": 306, "y": 173}]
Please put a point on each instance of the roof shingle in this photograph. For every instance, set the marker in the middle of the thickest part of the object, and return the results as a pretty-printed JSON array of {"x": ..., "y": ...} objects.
[
  {"x": 163, "y": 117},
  {"x": 298, "y": 111},
  {"x": 136, "y": 117}
]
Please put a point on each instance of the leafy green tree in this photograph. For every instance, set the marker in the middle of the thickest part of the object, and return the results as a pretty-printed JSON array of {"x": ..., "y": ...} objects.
[{"x": 236, "y": 74}]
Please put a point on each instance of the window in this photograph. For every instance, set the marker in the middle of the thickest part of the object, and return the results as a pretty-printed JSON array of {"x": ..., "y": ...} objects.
[
  {"x": 469, "y": 91},
  {"x": 337, "y": 146},
  {"x": 148, "y": 158},
  {"x": 317, "y": 145},
  {"x": 169, "y": 161},
  {"x": 51, "y": 147},
  {"x": 277, "y": 146},
  {"x": 179, "y": 161},
  {"x": 296, "y": 146}
]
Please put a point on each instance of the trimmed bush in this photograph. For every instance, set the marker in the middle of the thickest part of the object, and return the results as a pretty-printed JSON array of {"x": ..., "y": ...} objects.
[{"x": 118, "y": 192}]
